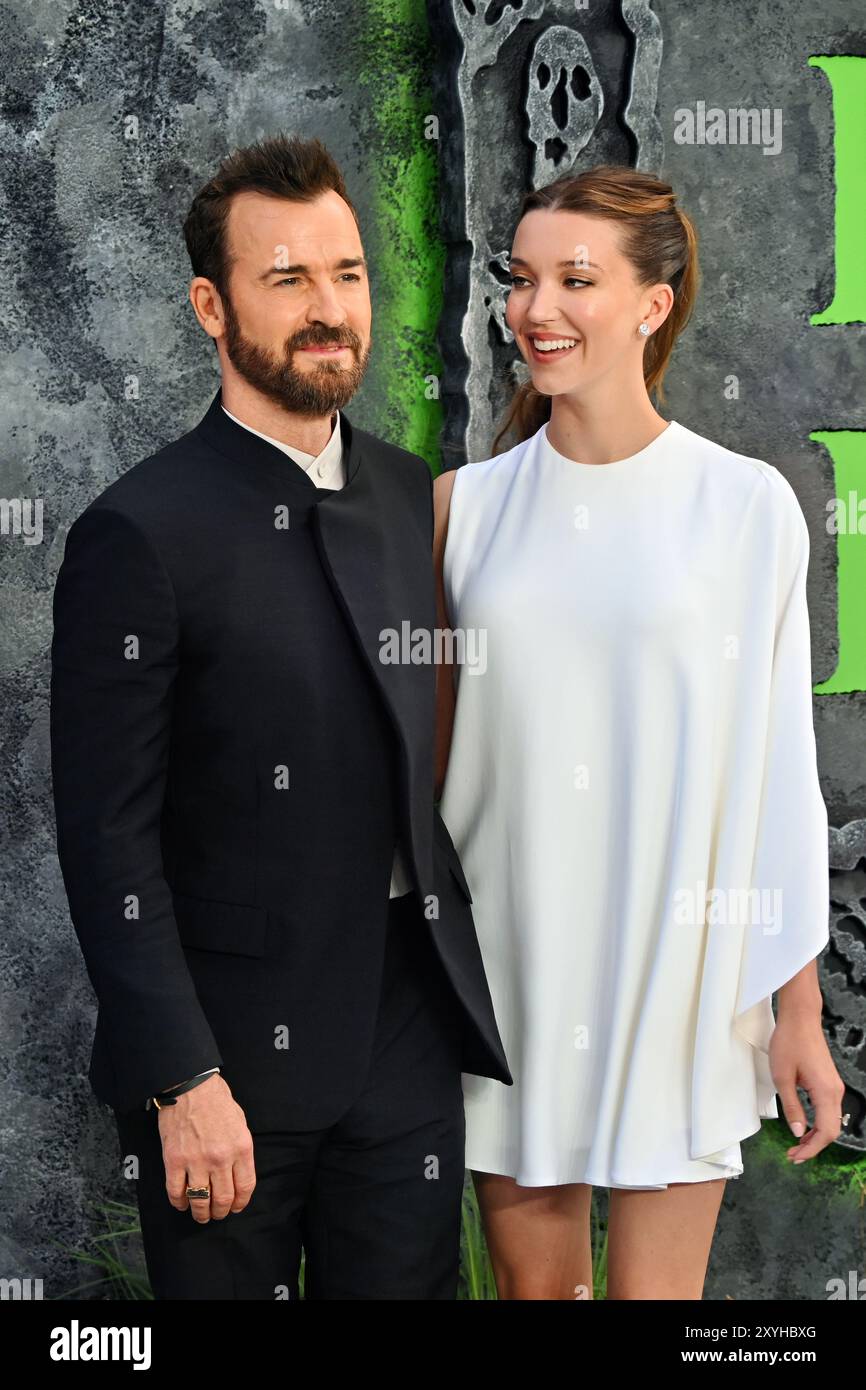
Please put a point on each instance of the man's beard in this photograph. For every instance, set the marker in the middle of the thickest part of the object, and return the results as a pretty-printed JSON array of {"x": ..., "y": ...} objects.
[{"x": 328, "y": 387}]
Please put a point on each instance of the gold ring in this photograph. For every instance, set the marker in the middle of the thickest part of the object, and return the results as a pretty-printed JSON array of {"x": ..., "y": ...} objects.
[{"x": 198, "y": 1192}]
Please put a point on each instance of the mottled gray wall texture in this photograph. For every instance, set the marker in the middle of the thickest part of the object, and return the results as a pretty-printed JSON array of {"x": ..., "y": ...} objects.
[{"x": 114, "y": 113}]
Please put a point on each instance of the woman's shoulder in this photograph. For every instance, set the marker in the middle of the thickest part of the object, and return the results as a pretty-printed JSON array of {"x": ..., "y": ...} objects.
[
  {"x": 496, "y": 468},
  {"x": 751, "y": 491},
  {"x": 731, "y": 466},
  {"x": 480, "y": 473}
]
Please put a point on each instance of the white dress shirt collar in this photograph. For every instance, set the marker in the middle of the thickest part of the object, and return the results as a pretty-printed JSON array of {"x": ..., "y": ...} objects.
[{"x": 324, "y": 469}]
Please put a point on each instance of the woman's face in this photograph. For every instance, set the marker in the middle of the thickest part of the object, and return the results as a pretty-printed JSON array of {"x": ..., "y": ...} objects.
[{"x": 571, "y": 285}]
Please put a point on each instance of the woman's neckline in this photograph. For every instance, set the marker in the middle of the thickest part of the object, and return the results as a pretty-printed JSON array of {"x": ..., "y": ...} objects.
[{"x": 616, "y": 464}]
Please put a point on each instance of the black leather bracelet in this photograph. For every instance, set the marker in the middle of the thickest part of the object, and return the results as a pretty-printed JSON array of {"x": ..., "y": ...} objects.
[{"x": 170, "y": 1097}]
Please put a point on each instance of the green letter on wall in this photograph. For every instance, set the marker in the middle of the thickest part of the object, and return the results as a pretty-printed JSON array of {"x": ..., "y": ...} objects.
[{"x": 847, "y": 448}]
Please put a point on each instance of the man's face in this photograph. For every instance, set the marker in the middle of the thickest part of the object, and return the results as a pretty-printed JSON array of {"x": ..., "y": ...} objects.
[{"x": 297, "y": 316}]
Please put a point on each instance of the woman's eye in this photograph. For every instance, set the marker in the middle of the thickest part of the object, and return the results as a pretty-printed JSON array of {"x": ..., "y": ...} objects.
[{"x": 569, "y": 280}]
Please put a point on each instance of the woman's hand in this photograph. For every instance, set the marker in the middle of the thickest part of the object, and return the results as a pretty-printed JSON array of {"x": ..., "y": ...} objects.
[{"x": 799, "y": 1056}]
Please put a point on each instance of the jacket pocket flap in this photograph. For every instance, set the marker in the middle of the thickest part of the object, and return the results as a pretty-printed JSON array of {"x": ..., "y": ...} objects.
[{"x": 237, "y": 928}]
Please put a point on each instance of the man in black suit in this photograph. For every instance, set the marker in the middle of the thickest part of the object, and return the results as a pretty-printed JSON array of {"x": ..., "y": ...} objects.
[{"x": 271, "y": 910}]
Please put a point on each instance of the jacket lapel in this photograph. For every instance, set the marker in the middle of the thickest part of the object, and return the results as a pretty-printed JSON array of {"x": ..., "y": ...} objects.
[
  {"x": 376, "y": 551},
  {"x": 374, "y": 540}
]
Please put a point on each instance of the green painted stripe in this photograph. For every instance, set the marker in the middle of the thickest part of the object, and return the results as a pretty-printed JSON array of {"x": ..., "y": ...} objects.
[{"x": 395, "y": 60}]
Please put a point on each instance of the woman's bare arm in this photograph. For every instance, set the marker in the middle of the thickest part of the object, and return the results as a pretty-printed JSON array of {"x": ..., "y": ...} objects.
[{"x": 442, "y": 487}]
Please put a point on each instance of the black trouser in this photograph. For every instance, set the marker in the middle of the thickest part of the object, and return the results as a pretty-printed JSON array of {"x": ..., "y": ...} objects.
[{"x": 375, "y": 1200}]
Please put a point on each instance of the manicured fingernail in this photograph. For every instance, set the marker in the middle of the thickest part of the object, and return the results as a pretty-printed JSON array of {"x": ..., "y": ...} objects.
[{"x": 798, "y": 1128}]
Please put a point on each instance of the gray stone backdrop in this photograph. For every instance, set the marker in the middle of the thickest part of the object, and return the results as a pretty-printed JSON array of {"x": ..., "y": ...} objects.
[{"x": 112, "y": 114}]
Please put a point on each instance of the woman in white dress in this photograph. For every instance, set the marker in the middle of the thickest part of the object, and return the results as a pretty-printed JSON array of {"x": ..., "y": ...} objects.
[{"x": 626, "y": 761}]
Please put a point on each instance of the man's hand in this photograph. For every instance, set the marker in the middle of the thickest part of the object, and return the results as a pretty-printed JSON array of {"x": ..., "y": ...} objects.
[{"x": 206, "y": 1143}]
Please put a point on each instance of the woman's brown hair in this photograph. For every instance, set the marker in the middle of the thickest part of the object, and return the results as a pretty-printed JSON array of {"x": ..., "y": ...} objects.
[{"x": 657, "y": 237}]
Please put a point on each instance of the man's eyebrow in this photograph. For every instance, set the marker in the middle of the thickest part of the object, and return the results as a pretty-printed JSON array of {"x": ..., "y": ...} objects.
[
  {"x": 575, "y": 264},
  {"x": 347, "y": 263}
]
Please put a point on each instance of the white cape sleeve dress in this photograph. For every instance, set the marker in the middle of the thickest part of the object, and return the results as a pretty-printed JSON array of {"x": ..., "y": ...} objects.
[{"x": 633, "y": 791}]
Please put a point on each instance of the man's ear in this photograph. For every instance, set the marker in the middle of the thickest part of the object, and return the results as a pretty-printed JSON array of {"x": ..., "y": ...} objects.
[{"x": 207, "y": 305}]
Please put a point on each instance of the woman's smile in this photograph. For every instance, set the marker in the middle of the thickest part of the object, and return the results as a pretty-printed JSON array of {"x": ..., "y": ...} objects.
[{"x": 546, "y": 347}]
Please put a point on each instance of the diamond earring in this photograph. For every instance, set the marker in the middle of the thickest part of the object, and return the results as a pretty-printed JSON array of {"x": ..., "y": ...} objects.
[{"x": 644, "y": 329}]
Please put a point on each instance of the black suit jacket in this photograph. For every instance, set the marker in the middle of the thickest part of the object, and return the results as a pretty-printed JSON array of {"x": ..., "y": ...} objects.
[{"x": 222, "y": 923}]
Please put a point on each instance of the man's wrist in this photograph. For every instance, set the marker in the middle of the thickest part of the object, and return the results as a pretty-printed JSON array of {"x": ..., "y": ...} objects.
[{"x": 161, "y": 1098}]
